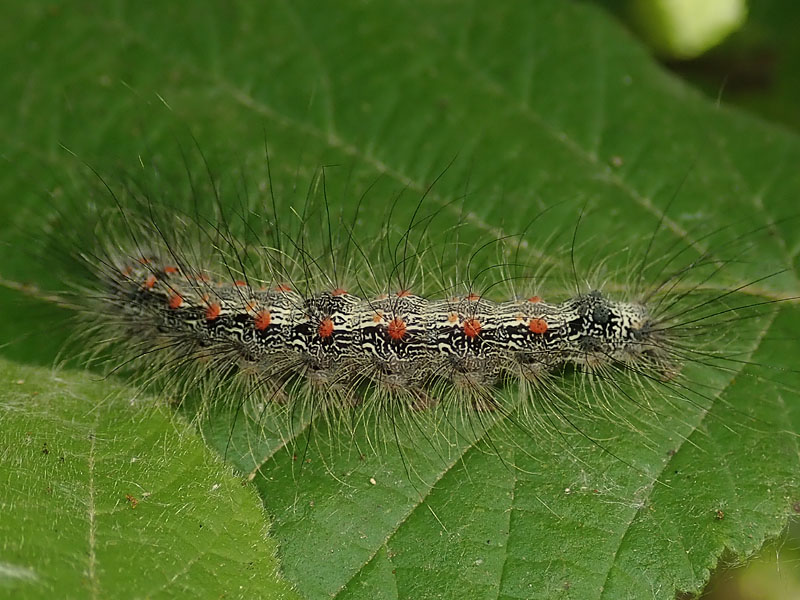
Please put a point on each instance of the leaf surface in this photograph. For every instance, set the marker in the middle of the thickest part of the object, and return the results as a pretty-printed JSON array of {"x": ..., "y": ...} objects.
[
  {"x": 542, "y": 104},
  {"x": 102, "y": 499}
]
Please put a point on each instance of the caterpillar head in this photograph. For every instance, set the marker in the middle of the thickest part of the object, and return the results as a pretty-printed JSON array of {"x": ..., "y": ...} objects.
[{"x": 606, "y": 331}]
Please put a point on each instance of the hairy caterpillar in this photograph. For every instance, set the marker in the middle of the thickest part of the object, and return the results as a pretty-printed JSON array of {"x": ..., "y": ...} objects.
[
  {"x": 290, "y": 316},
  {"x": 398, "y": 342}
]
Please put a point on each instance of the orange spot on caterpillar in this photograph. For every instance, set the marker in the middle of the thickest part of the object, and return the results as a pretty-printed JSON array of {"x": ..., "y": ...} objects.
[
  {"x": 283, "y": 288},
  {"x": 403, "y": 294},
  {"x": 538, "y": 326},
  {"x": 377, "y": 317},
  {"x": 250, "y": 306},
  {"x": 240, "y": 283},
  {"x": 325, "y": 328},
  {"x": 170, "y": 270},
  {"x": 338, "y": 292},
  {"x": 262, "y": 320},
  {"x": 150, "y": 282},
  {"x": 212, "y": 312},
  {"x": 473, "y": 297},
  {"x": 472, "y": 327},
  {"x": 534, "y": 299},
  {"x": 396, "y": 329},
  {"x": 175, "y": 301},
  {"x": 143, "y": 261},
  {"x": 452, "y": 318},
  {"x": 127, "y": 271}
]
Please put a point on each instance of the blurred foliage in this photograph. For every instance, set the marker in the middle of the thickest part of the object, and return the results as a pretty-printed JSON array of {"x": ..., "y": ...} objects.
[{"x": 757, "y": 68}]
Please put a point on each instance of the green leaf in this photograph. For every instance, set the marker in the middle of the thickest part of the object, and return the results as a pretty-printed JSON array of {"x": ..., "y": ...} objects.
[
  {"x": 101, "y": 498},
  {"x": 544, "y": 103}
]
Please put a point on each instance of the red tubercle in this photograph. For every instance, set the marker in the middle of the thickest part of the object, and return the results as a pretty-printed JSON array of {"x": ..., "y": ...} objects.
[
  {"x": 472, "y": 297},
  {"x": 403, "y": 293},
  {"x": 262, "y": 320},
  {"x": 338, "y": 292},
  {"x": 213, "y": 311},
  {"x": 534, "y": 299},
  {"x": 396, "y": 328},
  {"x": 175, "y": 301},
  {"x": 537, "y": 326},
  {"x": 170, "y": 270},
  {"x": 239, "y": 283},
  {"x": 472, "y": 327},
  {"x": 325, "y": 328},
  {"x": 283, "y": 288},
  {"x": 150, "y": 282}
]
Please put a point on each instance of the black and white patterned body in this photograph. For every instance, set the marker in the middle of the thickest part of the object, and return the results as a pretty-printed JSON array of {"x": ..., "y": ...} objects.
[{"x": 399, "y": 341}]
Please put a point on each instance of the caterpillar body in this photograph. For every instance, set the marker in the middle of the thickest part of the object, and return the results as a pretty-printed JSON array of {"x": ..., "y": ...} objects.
[{"x": 398, "y": 342}]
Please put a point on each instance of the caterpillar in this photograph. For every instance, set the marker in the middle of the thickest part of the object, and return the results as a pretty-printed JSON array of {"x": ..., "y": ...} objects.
[
  {"x": 264, "y": 311},
  {"x": 397, "y": 342}
]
